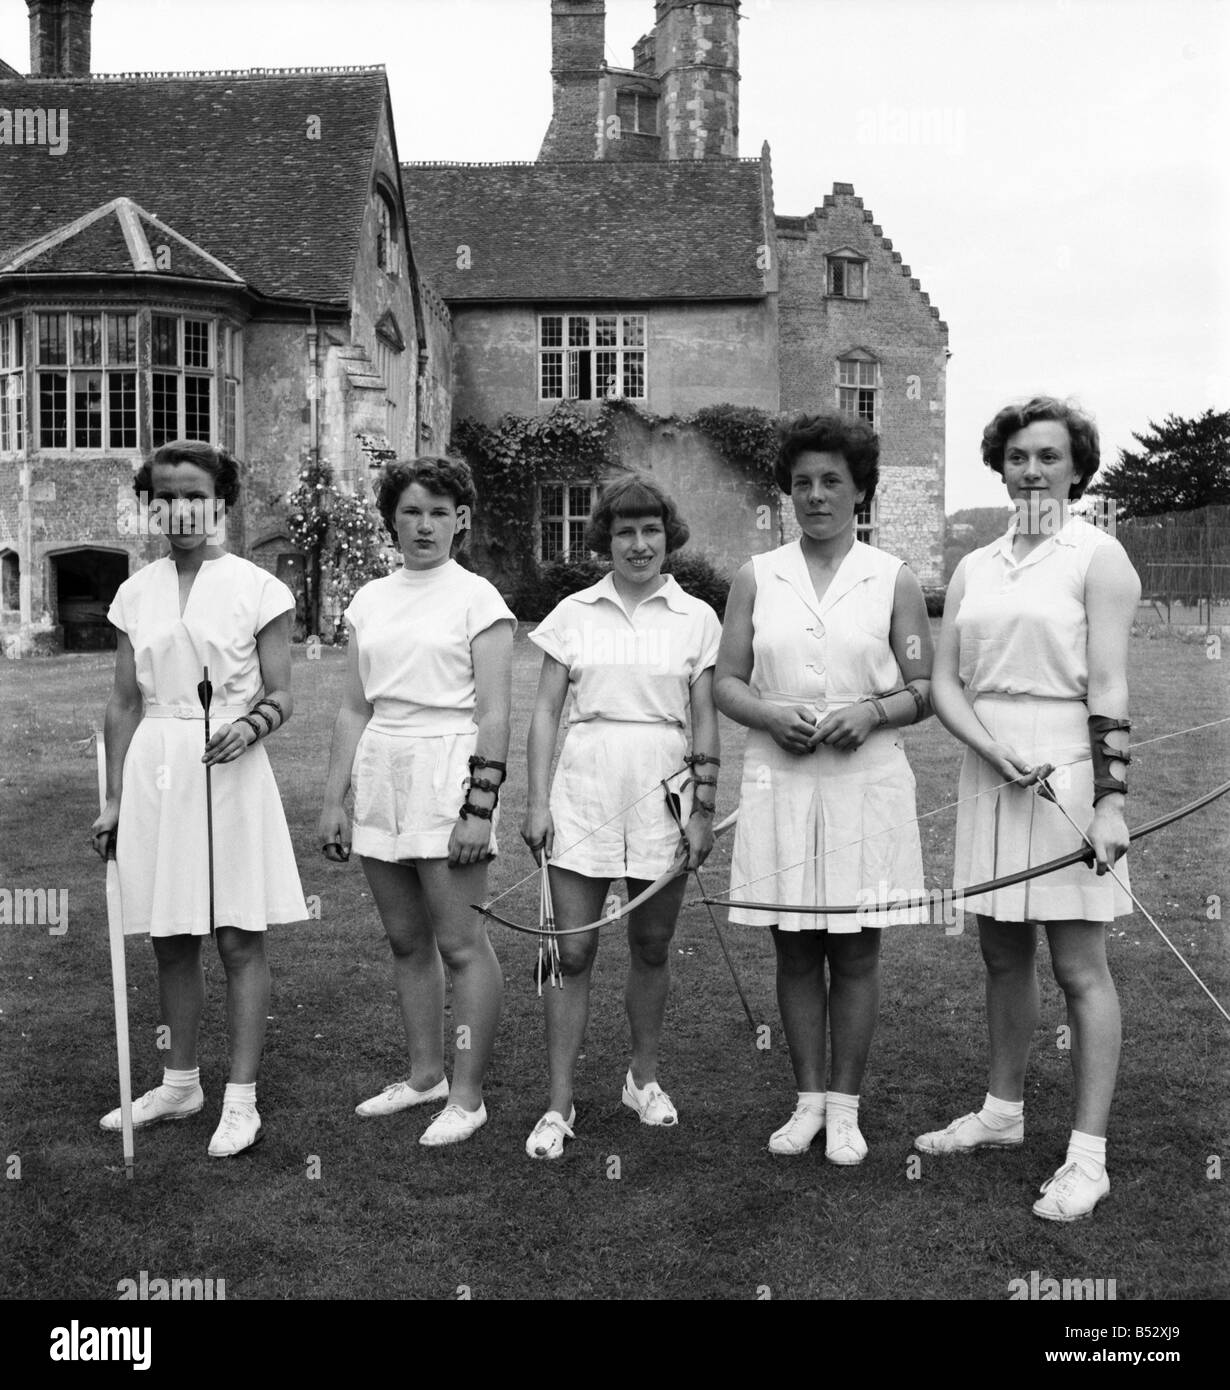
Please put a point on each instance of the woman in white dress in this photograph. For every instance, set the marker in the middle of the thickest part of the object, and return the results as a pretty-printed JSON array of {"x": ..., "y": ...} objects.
[
  {"x": 826, "y": 652},
  {"x": 422, "y": 735},
  {"x": 1031, "y": 675},
  {"x": 636, "y": 654},
  {"x": 200, "y": 607}
]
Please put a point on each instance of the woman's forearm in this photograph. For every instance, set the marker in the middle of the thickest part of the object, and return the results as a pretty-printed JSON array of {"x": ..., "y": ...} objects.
[
  {"x": 954, "y": 712},
  {"x": 119, "y": 724},
  {"x": 736, "y": 701},
  {"x": 538, "y": 756},
  {"x": 347, "y": 730}
]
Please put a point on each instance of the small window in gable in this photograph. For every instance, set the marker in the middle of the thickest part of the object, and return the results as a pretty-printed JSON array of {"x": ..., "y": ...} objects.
[
  {"x": 847, "y": 275},
  {"x": 387, "y": 257}
]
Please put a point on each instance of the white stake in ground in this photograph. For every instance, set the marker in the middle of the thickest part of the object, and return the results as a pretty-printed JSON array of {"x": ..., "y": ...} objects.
[{"x": 119, "y": 976}]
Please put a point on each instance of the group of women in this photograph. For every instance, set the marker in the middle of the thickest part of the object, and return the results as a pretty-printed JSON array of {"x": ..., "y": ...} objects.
[{"x": 824, "y": 655}]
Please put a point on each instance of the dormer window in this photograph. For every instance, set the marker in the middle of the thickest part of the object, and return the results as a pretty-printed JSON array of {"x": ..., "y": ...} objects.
[
  {"x": 637, "y": 111},
  {"x": 386, "y": 234},
  {"x": 847, "y": 275}
]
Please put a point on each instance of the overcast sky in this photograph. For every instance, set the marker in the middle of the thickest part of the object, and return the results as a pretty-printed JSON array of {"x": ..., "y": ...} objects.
[{"x": 1048, "y": 168}]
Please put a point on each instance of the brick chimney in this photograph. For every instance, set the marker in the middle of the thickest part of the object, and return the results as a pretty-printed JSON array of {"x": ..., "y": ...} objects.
[
  {"x": 578, "y": 47},
  {"x": 698, "y": 63},
  {"x": 60, "y": 37}
]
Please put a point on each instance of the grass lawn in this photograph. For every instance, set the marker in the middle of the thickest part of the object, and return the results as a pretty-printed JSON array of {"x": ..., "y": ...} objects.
[{"x": 332, "y": 1207}]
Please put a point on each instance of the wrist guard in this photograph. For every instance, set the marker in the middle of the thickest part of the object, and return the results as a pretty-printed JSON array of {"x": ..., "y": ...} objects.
[
  {"x": 484, "y": 784},
  {"x": 1102, "y": 754},
  {"x": 468, "y": 808},
  {"x": 881, "y": 712}
]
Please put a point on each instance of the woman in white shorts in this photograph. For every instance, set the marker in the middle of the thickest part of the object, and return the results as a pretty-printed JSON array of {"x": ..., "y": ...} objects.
[
  {"x": 1031, "y": 674},
  {"x": 826, "y": 654},
  {"x": 200, "y": 606},
  {"x": 422, "y": 736},
  {"x": 636, "y": 654}
]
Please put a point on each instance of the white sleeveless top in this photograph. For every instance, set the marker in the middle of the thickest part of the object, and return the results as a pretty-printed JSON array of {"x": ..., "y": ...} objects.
[
  {"x": 832, "y": 651},
  {"x": 1022, "y": 624}
]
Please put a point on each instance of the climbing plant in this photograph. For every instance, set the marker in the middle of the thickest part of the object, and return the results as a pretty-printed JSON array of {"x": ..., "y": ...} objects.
[{"x": 342, "y": 536}]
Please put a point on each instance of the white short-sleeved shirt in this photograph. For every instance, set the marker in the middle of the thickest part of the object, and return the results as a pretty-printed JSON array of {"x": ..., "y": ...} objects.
[
  {"x": 230, "y": 601},
  {"x": 1022, "y": 624},
  {"x": 414, "y": 630},
  {"x": 637, "y": 667}
]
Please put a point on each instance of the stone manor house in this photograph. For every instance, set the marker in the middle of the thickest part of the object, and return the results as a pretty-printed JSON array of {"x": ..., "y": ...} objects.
[{"x": 241, "y": 257}]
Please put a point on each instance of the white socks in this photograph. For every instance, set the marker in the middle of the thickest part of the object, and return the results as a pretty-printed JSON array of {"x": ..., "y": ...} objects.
[
  {"x": 240, "y": 1093},
  {"x": 999, "y": 1114},
  {"x": 1088, "y": 1152},
  {"x": 814, "y": 1100},
  {"x": 839, "y": 1104},
  {"x": 181, "y": 1084}
]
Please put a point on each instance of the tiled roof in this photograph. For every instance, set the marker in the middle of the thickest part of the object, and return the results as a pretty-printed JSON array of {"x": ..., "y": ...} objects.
[
  {"x": 223, "y": 158},
  {"x": 7, "y": 71},
  {"x": 683, "y": 229}
]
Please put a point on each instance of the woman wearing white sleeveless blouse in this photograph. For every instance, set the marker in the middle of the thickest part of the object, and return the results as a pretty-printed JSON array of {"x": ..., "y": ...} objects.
[
  {"x": 826, "y": 652},
  {"x": 1031, "y": 674}
]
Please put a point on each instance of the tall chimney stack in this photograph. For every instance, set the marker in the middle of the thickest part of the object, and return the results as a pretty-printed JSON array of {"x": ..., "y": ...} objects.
[
  {"x": 59, "y": 37},
  {"x": 578, "y": 49}
]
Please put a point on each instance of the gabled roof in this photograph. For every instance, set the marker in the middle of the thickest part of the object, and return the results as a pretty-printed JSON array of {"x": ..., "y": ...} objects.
[
  {"x": 7, "y": 71},
  {"x": 681, "y": 229},
  {"x": 117, "y": 239},
  {"x": 223, "y": 158}
]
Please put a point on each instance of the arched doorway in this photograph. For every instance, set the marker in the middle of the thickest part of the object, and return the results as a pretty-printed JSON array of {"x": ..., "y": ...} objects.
[{"x": 83, "y": 583}]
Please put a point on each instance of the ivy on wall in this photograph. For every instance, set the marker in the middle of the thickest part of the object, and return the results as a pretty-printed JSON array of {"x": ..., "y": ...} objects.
[{"x": 511, "y": 459}]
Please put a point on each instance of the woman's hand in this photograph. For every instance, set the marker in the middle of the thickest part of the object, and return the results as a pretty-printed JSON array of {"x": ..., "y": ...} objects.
[
  {"x": 698, "y": 840},
  {"x": 538, "y": 831},
  {"x": 469, "y": 842},
  {"x": 227, "y": 743},
  {"x": 1108, "y": 834},
  {"x": 1013, "y": 768},
  {"x": 104, "y": 827},
  {"x": 847, "y": 729},
  {"x": 333, "y": 831},
  {"x": 791, "y": 727}
]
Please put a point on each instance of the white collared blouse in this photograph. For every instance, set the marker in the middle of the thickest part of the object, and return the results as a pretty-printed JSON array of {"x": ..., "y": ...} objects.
[
  {"x": 1022, "y": 624},
  {"x": 635, "y": 667},
  {"x": 830, "y": 651}
]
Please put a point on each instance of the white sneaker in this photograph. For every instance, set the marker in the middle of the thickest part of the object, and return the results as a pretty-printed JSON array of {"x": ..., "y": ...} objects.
[
  {"x": 238, "y": 1130},
  {"x": 800, "y": 1129},
  {"x": 969, "y": 1133},
  {"x": 1071, "y": 1194},
  {"x": 548, "y": 1135},
  {"x": 651, "y": 1103},
  {"x": 844, "y": 1142},
  {"x": 400, "y": 1096},
  {"x": 155, "y": 1105},
  {"x": 453, "y": 1124}
]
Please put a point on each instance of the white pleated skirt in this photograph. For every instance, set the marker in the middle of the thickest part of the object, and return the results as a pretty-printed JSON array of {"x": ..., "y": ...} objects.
[
  {"x": 1003, "y": 829},
  {"x": 828, "y": 826}
]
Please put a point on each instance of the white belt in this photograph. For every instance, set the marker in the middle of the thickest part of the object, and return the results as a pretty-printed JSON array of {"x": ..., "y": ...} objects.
[{"x": 221, "y": 713}]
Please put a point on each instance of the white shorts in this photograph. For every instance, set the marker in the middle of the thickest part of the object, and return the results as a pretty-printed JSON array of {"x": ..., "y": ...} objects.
[
  {"x": 407, "y": 794},
  {"x": 610, "y": 772}
]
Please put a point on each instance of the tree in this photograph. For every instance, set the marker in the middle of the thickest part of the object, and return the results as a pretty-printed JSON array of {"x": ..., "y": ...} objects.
[
  {"x": 970, "y": 529},
  {"x": 1183, "y": 464}
]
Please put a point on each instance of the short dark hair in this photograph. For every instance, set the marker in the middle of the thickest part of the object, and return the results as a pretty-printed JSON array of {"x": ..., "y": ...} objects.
[
  {"x": 444, "y": 477},
  {"x": 856, "y": 442},
  {"x": 222, "y": 467},
  {"x": 633, "y": 494},
  {"x": 1082, "y": 433}
]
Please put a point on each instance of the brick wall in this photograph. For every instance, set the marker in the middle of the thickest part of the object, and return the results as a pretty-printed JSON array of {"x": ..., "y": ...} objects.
[{"x": 897, "y": 325}]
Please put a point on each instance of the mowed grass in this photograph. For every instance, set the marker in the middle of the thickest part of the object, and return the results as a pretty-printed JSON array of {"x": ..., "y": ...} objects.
[{"x": 701, "y": 1211}]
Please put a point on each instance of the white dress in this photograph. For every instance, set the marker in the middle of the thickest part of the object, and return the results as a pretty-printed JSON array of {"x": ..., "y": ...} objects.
[
  {"x": 1023, "y": 634},
  {"x": 828, "y": 826},
  {"x": 414, "y": 630},
  {"x": 161, "y": 843}
]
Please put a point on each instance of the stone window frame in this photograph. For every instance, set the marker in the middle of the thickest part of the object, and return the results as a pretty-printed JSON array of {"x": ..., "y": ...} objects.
[
  {"x": 388, "y": 246},
  {"x": 873, "y": 390},
  {"x": 13, "y": 414},
  {"x": 568, "y": 517},
  {"x": 567, "y": 364},
  {"x": 642, "y": 101},
  {"x": 867, "y": 522},
  {"x": 184, "y": 372},
  {"x": 388, "y": 349},
  {"x": 10, "y": 579},
  {"x": 837, "y": 266}
]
